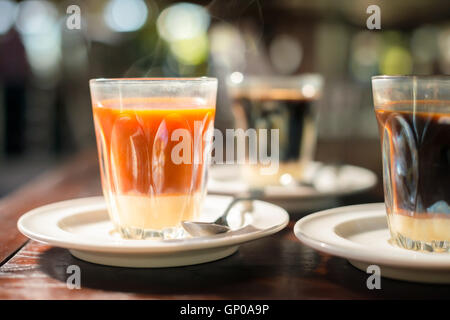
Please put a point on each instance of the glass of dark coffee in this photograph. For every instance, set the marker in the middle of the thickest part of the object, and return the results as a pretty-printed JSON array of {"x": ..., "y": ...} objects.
[
  {"x": 413, "y": 115},
  {"x": 285, "y": 104}
]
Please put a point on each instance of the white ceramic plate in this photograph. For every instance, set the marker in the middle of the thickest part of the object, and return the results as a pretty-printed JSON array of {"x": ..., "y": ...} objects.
[
  {"x": 360, "y": 234},
  {"x": 83, "y": 227},
  {"x": 330, "y": 183}
]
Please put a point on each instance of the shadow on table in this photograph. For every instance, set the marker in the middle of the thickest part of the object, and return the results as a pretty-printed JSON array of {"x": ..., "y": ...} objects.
[
  {"x": 277, "y": 267},
  {"x": 343, "y": 274},
  {"x": 218, "y": 277}
]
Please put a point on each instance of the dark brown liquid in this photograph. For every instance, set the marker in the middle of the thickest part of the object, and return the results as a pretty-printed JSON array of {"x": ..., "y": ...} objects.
[
  {"x": 416, "y": 157},
  {"x": 285, "y": 110}
]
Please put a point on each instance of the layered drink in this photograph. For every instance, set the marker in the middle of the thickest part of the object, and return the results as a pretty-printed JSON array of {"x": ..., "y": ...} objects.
[
  {"x": 154, "y": 152},
  {"x": 415, "y": 139}
]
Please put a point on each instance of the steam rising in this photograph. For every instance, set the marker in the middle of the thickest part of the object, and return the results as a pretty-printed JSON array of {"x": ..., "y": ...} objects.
[{"x": 183, "y": 46}]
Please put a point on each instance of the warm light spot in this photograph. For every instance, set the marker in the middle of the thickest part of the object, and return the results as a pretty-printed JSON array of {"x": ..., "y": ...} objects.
[
  {"x": 182, "y": 21},
  {"x": 236, "y": 77}
]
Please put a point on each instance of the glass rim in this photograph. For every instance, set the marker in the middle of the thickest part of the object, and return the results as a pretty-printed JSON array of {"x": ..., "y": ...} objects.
[
  {"x": 157, "y": 80},
  {"x": 278, "y": 81},
  {"x": 282, "y": 76},
  {"x": 408, "y": 77}
]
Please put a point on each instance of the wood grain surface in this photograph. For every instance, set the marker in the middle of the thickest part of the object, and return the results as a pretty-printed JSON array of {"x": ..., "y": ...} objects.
[
  {"x": 76, "y": 178},
  {"x": 276, "y": 267}
]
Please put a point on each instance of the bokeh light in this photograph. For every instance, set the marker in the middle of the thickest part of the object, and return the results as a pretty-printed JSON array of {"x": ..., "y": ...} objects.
[
  {"x": 36, "y": 17},
  {"x": 126, "y": 15},
  {"x": 184, "y": 27},
  {"x": 236, "y": 77},
  {"x": 286, "y": 54},
  {"x": 396, "y": 61},
  {"x": 182, "y": 21},
  {"x": 191, "y": 51},
  {"x": 7, "y": 15},
  {"x": 38, "y": 25},
  {"x": 227, "y": 46},
  {"x": 308, "y": 90}
]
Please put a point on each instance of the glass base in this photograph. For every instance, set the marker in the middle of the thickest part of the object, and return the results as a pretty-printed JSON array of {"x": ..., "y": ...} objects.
[
  {"x": 419, "y": 245},
  {"x": 142, "y": 234}
]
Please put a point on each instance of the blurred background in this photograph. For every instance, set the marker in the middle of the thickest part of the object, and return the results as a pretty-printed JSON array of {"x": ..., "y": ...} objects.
[{"x": 45, "y": 63}]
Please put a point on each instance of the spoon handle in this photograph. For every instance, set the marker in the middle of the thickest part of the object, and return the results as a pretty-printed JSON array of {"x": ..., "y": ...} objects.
[{"x": 252, "y": 194}]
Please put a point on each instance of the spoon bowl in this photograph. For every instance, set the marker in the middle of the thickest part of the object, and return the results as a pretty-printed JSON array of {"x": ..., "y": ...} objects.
[{"x": 201, "y": 229}]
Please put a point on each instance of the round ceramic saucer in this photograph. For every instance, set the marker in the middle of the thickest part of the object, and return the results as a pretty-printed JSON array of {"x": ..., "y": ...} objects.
[
  {"x": 325, "y": 184},
  {"x": 360, "y": 234},
  {"x": 83, "y": 227}
]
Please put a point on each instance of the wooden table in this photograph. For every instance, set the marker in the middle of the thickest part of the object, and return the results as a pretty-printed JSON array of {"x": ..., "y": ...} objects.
[{"x": 277, "y": 267}]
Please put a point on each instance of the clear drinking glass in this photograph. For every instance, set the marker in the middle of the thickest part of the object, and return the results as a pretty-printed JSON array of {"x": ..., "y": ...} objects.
[
  {"x": 413, "y": 115},
  {"x": 284, "y": 103},
  {"x": 154, "y": 139}
]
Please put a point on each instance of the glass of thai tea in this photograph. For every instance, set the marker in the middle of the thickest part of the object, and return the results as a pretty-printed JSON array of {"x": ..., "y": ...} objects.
[
  {"x": 154, "y": 139},
  {"x": 413, "y": 116}
]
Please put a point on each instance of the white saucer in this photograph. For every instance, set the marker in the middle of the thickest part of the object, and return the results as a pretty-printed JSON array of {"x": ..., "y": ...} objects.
[
  {"x": 360, "y": 234},
  {"x": 83, "y": 227},
  {"x": 330, "y": 183}
]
